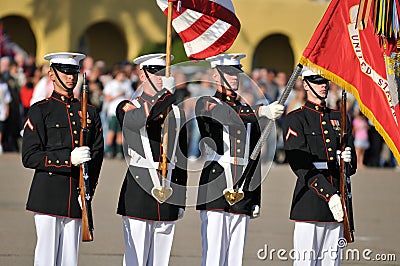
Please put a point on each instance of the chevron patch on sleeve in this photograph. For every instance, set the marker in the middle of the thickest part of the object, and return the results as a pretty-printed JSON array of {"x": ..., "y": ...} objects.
[
  {"x": 290, "y": 132},
  {"x": 128, "y": 107},
  {"x": 29, "y": 124}
]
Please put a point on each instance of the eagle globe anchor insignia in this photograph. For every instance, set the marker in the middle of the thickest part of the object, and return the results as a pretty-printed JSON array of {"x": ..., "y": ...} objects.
[{"x": 233, "y": 196}]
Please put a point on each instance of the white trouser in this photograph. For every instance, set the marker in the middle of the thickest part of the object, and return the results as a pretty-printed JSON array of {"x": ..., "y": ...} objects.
[
  {"x": 147, "y": 242},
  {"x": 317, "y": 243},
  {"x": 58, "y": 240},
  {"x": 223, "y": 237}
]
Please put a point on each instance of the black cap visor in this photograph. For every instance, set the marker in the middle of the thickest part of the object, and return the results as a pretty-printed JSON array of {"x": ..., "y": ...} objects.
[
  {"x": 155, "y": 70},
  {"x": 231, "y": 70},
  {"x": 317, "y": 79},
  {"x": 66, "y": 69}
]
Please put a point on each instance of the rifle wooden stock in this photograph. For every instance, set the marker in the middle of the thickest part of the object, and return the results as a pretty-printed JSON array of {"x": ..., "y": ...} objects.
[
  {"x": 347, "y": 228},
  {"x": 87, "y": 220}
]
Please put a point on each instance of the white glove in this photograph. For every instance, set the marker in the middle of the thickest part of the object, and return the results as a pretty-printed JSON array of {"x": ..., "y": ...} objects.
[
  {"x": 181, "y": 211},
  {"x": 335, "y": 205},
  {"x": 345, "y": 155},
  {"x": 80, "y": 155},
  {"x": 255, "y": 211},
  {"x": 169, "y": 83},
  {"x": 272, "y": 111}
]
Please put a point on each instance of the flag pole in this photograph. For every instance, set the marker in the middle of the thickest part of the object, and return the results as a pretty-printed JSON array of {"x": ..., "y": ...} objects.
[
  {"x": 164, "y": 162},
  {"x": 169, "y": 40}
]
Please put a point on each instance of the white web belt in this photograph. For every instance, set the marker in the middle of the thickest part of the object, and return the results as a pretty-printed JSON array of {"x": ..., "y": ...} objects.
[
  {"x": 226, "y": 160},
  {"x": 148, "y": 162}
]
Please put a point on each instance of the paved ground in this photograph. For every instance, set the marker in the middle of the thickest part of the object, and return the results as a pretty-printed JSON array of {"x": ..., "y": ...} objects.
[{"x": 376, "y": 203}]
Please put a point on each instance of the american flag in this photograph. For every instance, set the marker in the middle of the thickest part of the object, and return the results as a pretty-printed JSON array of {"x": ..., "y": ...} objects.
[{"x": 206, "y": 27}]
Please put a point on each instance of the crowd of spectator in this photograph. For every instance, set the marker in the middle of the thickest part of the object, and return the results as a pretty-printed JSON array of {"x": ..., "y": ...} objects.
[{"x": 23, "y": 82}]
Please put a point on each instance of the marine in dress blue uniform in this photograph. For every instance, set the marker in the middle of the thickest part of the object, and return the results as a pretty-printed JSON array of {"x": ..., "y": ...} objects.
[
  {"x": 230, "y": 130},
  {"x": 148, "y": 220},
  {"x": 50, "y": 146},
  {"x": 312, "y": 144}
]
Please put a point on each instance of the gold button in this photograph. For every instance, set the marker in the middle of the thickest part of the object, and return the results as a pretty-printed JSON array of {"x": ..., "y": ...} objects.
[
  {"x": 238, "y": 140},
  {"x": 247, "y": 111},
  {"x": 313, "y": 133},
  {"x": 238, "y": 150},
  {"x": 57, "y": 161},
  {"x": 159, "y": 96},
  {"x": 75, "y": 132},
  {"x": 331, "y": 158},
  {"x": 241, "y": 111},
  {"x": 161, "y": 116},
  {"x": 316, "y": 107},
  {"x": 321, "y": 189},
  {"x": 328, "y": 140},
  {"x": 68, "y": 106},
  {"x": 66, "y": 162},
  {"x": 228, "y": 98},
  {"x": 57, "y": 125},
  {"x": 62, "y": 98},
  {"x": 327, "y": 195},
  {"x": 76, "y": 142},
  {"x": 49, "y": 161},
  {"x": 50, "y": 173},
  {"x": 152, "y": 101},
  {"x": 137, "y": 177},
  {"x": 238, "y": 132},
  {"x": 71, "y": 114},
  {"x": 326, "y": 132},
  {"x": 73, "y": 122},
  {"x": 329, "y": 149},
  {"x": 213, "y": 170},
  {"x": 316, "y": 184},
  {"x": 324, "y": 122}
]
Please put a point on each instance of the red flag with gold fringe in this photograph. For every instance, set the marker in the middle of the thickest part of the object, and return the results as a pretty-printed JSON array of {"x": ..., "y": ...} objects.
[{"x": 361, "y": 62}]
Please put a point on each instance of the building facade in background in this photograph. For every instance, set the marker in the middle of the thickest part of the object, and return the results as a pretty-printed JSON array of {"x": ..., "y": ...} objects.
[{"x": 273, "y": 34}]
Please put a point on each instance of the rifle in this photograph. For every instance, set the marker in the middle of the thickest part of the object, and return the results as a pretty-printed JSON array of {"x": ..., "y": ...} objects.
[
  {"x": 345, "y": 183},
  {"x": 252, "y": 164},
  {"x": 84, "y": 187}
]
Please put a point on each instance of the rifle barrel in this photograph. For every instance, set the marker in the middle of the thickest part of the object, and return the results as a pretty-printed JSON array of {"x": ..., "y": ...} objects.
[
  {"x": 344, "y": 193},
  {"x": 84, "y": 188},
  {"x": 245, "y": 178}
]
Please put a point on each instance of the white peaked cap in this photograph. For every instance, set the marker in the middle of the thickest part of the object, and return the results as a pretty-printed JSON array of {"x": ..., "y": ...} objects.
[
  {"x": 307, "y": 72},
  {"x": 225, "y": 60},
  {"x": 152, "y": 60},
  {"x": 65, "y": 58}
]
